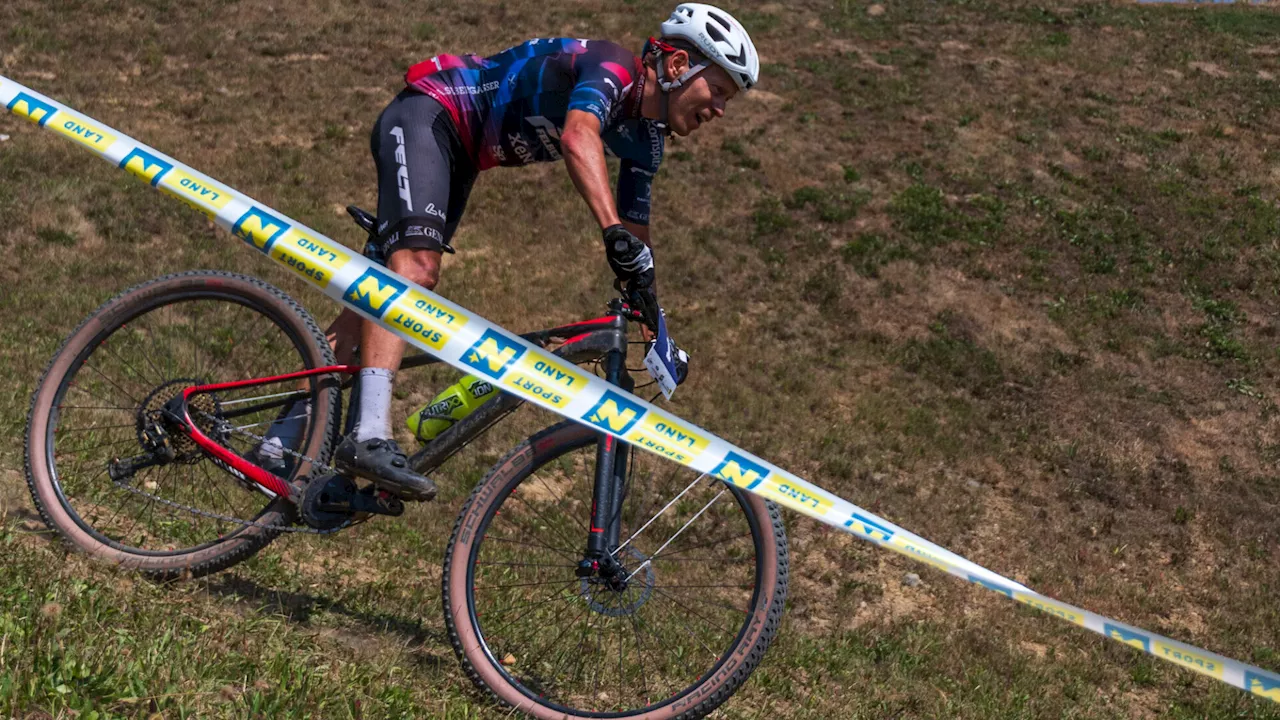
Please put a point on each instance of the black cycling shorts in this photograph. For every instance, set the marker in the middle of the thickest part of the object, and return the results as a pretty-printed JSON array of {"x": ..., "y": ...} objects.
[{"x": 424, "y": 176}]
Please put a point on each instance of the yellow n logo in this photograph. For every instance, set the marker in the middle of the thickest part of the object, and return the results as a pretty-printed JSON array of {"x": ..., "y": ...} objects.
[
  {"x": 37, "y": 111},
  {"x": 374, "y": 292},
  {"x": 259, "y": 229},
  {"x": 493, "y": 354},
  {"x": 614, "y": 413},
  {"x": 1263, "y": 686},
  {"x": 1128, "y": 637},
  {"x": 145, "y": 165},
  {"x": 740, "y": 471},
  {"x": 614, "y": 417}
]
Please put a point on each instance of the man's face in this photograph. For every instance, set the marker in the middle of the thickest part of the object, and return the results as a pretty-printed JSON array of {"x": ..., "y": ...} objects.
[{"x": 700, "y": 100}]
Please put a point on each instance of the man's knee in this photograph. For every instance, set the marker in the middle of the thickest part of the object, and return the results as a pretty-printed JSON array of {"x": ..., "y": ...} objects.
[{"x": 419, "y": 265}]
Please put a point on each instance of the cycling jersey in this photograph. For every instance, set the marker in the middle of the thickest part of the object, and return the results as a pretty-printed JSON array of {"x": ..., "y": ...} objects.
[{"x": 510, "y": 108}]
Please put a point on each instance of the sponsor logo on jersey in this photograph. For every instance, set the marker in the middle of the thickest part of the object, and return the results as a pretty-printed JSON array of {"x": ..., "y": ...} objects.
[
  {"x": 614, "y": 413},
  {"x": 548, "y": 135},
  {"x": 493, "y": 354},
  {"x": 146, "y": 166},
  {"x": 37, "y": 111},
  {"x": 469, "y": 89},
  {"x": 85, "y": 133},
  {"x": 259, "y": 228},
  {"x": 1128, "y": 637},
  {"x": 655, "y": 145},
  {"x": 740, "y": 471},
  {"x": 374, "y": 292},
  {"x": 520, "y": 147}
]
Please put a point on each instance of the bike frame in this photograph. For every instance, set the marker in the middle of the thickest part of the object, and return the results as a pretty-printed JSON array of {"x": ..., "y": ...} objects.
[{"x": 603, "y": 338}]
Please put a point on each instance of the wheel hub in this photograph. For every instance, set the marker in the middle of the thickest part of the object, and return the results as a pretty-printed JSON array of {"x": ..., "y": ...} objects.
[{"x": 614, "y": 590}]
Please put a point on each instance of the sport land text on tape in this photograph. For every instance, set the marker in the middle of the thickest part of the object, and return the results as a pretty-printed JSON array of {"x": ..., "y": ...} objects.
[{"x": 474, "y": 345}]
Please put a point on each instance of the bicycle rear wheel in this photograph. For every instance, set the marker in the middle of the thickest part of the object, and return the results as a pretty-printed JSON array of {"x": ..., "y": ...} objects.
[
  {"x": 709, "y": 575},
  {"x": 102, "y": 391}
]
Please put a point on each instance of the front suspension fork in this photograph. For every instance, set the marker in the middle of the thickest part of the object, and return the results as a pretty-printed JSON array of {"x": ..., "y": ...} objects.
[{"x": 611, "y": 474}]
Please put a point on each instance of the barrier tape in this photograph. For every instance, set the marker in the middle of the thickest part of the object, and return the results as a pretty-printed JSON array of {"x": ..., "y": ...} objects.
[{"x": 474, "y": 345}]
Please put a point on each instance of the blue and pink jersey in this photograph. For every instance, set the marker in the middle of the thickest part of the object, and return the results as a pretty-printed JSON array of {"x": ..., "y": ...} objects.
[{"x": 510, "y": 108}]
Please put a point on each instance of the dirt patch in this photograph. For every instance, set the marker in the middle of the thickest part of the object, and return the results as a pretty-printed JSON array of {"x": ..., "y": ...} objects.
[
  {"x": 1210, "y": 69},
  {"x": 997, "y": 319}
]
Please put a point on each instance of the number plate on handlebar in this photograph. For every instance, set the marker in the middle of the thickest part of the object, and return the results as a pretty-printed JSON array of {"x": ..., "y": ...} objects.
[{"x": 660, "y": 360}]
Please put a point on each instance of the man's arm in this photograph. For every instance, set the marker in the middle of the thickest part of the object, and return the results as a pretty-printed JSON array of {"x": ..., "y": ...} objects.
[{"x": 584, "y": 157}]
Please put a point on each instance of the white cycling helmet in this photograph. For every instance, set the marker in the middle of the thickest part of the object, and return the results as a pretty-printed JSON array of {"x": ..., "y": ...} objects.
[{"x": 719, "y": 37}]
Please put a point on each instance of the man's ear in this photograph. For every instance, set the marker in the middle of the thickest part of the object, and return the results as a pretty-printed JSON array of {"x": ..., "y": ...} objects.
[{"x": 677, "y": 63}]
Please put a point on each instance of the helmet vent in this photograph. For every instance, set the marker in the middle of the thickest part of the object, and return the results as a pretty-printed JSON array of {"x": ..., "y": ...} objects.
[
  {"x": 720, "y": 19},
  {"x": 715, "y": 33}
]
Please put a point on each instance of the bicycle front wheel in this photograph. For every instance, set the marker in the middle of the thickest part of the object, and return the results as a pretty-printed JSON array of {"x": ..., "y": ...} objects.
[{"x": 708, "y": 580}]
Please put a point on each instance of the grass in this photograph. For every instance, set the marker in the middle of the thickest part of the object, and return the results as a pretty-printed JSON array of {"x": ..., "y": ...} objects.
[{"x": 1004, "y": 273}]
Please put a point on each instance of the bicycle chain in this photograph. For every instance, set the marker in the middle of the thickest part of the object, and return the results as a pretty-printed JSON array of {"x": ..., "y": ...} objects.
[{"x": 225, "y": 427}]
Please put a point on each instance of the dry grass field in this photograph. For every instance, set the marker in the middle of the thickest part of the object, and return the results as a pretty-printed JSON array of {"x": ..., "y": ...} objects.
[{"x": 1005, "y": 273}]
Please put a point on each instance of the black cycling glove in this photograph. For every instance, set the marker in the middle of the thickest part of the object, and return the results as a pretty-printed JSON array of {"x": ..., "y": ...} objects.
[{"x": 632, "y": 263}]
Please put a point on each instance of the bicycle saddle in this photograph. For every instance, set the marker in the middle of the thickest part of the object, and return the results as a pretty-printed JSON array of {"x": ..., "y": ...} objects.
[{"x": 363, "y": 219}]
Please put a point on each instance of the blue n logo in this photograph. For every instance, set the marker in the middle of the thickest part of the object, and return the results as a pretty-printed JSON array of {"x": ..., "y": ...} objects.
[
  {"x": 1128, "y": 637},
  {"x": 493, "y": 354},
  {"x": 146, "y": 166},
  {"x": 614, "y": 413},
  {"x": 991, "y": 586},
  {"x": 260, "y": 229},
  {"x": 741, "y": 471},
  {"x": 870, "y": 528},
  {"x": 1267, "y": 687},
  {"x": 37, "y": 111},
  {"x": 374, "y": 292}
]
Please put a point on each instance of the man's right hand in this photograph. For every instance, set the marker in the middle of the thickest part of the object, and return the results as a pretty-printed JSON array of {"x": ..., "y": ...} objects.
[{"x": 632, "y": 263}]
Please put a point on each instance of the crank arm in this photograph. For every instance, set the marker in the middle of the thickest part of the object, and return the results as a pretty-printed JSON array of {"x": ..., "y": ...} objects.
[{"x": 368, "y": 501}]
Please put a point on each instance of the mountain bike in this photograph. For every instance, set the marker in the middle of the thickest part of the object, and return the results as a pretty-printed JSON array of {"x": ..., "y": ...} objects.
[{"x": 582, "y": 579}]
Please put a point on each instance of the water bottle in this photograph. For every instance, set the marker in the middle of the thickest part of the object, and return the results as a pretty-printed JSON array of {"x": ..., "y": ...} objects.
[{"x": 455, "y": 403}]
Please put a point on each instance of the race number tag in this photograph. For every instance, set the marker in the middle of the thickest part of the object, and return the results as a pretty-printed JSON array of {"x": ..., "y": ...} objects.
[{"x": 660, "y": 361}]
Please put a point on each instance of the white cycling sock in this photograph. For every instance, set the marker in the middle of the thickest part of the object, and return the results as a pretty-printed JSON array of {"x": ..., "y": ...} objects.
[{"x": 374, "y": 419}]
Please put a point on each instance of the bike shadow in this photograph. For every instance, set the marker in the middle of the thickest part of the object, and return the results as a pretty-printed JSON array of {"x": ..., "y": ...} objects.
[{"x": 302, "y": 607}]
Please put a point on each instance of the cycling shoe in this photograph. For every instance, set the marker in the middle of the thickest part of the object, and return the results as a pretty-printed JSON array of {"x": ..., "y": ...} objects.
[{"x": 383, "y": 463}]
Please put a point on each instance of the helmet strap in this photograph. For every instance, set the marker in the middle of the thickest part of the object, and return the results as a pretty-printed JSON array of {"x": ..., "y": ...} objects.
[{"x": 657, "y": 49}]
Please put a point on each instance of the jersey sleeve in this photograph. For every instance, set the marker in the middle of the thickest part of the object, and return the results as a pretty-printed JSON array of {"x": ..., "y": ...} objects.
[
  {"x": 639, "y": 144},
  {"x": 604, "y": 75}
]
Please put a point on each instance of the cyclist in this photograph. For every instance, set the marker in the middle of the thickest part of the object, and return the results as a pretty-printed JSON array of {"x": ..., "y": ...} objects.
[{"x": 543, "y": 100}]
